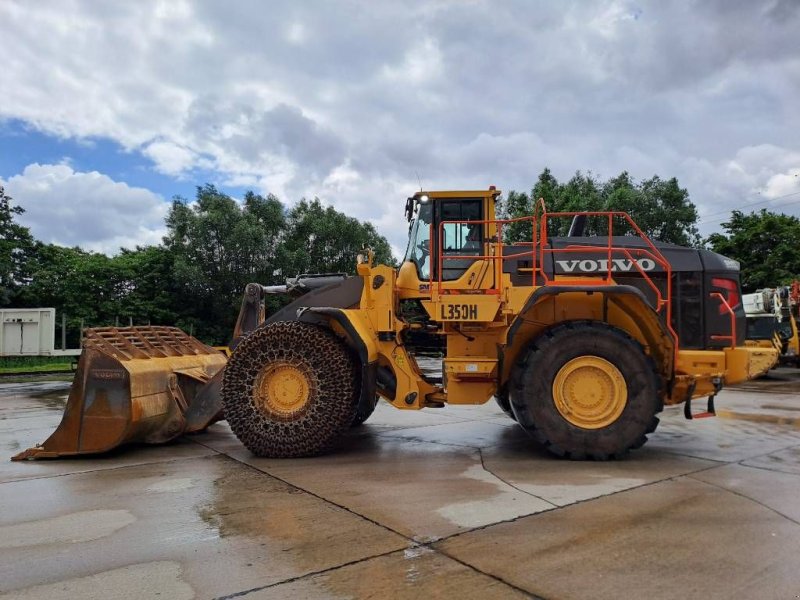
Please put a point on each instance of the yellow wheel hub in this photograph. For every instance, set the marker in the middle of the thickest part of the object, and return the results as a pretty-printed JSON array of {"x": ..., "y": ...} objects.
[
  {"x": 590, "y": 392},
  {"x": 283, "y": 390}
]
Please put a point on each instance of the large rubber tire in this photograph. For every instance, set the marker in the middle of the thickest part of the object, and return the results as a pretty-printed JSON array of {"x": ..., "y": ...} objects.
[
  {"x": 364, "y": 412},
  {"x": 333, "y": 386},
  {"x": 501, "y": 397},
  {"x": 532, "y": 393}
]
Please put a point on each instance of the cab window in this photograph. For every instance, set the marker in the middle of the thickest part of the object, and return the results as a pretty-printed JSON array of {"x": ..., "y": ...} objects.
[
  {"x": 419, "y": 243},
  {"x": 460, "y": 238}
]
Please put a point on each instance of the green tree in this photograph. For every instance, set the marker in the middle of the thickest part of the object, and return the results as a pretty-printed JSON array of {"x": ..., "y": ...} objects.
[
  {"x": 580, "y": 193},
  {"x": 100, "y": 289},
  {"x": 324, "y": 240},
  {"x": 513, "y": 206},
  {"x": 764, "y": 243},
  {"x": 661, "y": 209},
  {"x": 219, "y": 246},
  {"x": 521, "y": 204},
  {"x": 53, "y": 269},
  {"x": 146, "y": 289},
  {"x": 83, "y": 285},
  {"x": 16, "y": 243},
  {"x": 195, "y": 280}
]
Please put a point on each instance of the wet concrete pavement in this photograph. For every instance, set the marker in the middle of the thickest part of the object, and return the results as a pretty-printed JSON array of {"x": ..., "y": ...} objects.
[{"x": 450, "y": 503}]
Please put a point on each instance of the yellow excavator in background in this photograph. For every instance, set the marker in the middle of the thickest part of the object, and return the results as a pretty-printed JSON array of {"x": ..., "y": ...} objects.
[{"x": 581, "y": 339}]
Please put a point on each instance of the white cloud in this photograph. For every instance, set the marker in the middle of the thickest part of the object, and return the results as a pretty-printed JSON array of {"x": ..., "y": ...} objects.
[
  {"x": 421, "y": 64},
  {"x": 751, "y": 178},
  {"x": 90, "y": 210},
  {"x": 296, "y": 33},
  {"x": 612, "y": 17},
  {"x": 783, "y": 184},
  {"x": 170, "y": 158},
  {"x": 349, "y": 104}
]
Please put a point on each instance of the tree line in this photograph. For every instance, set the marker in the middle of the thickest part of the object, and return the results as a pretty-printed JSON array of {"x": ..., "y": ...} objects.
[
  {"x": 194, "y": 279},
  {"x": 766, "y": 243},
  {"x": 661, "y": 208},
  {"x": 215, "y": 245}
]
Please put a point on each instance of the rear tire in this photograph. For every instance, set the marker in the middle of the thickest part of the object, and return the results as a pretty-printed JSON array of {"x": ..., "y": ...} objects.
[
  {"x": 586, "y": 390},
  {"x": 290, "y": 389}
]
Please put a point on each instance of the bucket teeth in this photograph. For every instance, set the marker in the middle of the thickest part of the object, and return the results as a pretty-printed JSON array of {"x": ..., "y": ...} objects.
[
  {"x": 34, "y": 453},
  {"x": 145, "y": 342}
]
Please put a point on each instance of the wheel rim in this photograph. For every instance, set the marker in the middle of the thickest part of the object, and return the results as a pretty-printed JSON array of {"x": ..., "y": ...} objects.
[
  {"x": 283, "y": 390},
  {"x": 590, "y": 392}
]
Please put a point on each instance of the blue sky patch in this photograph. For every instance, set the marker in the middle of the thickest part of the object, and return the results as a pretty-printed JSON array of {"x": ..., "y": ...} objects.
[{"x": 22, "y": 145}]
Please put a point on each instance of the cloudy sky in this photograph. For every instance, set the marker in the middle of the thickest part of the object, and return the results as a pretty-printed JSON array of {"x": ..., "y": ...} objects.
[{"x": 109, "y": 109}]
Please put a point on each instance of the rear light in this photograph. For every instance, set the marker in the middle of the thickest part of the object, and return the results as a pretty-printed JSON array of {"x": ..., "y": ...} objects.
[{"x": 731, "y": 292}]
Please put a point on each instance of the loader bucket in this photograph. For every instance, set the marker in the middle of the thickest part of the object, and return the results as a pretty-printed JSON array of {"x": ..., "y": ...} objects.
[{"x": 136, "y": 385}]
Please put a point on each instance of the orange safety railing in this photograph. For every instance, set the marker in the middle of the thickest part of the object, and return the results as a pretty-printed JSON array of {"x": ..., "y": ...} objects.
[
  {"x": 539, "y": 252},
  {"x": 497, "y": 257},
  {"x": 731, "y": 314}
]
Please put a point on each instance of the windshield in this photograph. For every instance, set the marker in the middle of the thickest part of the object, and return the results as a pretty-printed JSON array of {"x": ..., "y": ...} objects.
[{"x": 419, "y": 241}]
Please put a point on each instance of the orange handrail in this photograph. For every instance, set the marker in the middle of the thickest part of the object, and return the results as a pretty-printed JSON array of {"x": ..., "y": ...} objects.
[
  {"x": 539, "y": 251},
  {"x": 732, "y": 313}
]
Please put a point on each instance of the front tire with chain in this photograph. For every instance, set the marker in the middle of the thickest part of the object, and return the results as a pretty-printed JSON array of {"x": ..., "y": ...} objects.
[
  {"x": 586, "y": 390},
  {"x": 290, "y": 389},
  {"x": 364, "y": 412}
]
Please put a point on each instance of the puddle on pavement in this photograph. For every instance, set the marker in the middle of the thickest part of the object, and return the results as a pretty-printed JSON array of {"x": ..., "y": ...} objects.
[
  {"x": 238, "y": 509},
  {"x": 294, "y": 530},
  {"x": 412, "y": 556},
  {"x": 174, "y": 484},
  {"x": 768, "y": 387},
  {"x": 780, "y": 407},
  {"x": 416, "y": 573},
  {"x": 33, "y": 387},
  {"x": 788, "y": 458},
  {"x": 576, "y": 490},
  {"x": 793, "y": 422},
  {"x": 505, "y": 503},
  {"x": 72, "y": 528},
  {"x": 55, "y": 399},
  {"x": 412, "y": 570},
  {"x": 49, "y": 395},
  {"x": 155, "y": 579}
]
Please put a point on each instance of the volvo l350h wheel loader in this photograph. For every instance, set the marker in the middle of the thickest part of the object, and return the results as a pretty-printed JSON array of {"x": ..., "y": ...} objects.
[{"x": 582, "y": 339}]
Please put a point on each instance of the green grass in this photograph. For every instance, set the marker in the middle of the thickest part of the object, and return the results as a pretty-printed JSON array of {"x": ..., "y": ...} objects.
[{"x": 35, "y": 364}]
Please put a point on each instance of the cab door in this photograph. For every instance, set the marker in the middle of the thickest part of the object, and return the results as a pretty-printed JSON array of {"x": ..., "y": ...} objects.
[{"x": 462, "y": 235}]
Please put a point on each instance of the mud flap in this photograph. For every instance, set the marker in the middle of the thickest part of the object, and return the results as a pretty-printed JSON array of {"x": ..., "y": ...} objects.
[{"x": 136, "y": 385}]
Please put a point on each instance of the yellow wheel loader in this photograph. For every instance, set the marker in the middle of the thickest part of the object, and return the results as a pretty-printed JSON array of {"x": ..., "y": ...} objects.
[{"x": 581, "y": 339}]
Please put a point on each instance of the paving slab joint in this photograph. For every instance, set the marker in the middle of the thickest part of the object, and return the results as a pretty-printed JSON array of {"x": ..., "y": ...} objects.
[{"x": 746, "y": 497}]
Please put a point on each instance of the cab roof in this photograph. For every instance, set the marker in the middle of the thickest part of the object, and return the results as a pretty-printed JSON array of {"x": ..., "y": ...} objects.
[{"x": 457, "y": 194}]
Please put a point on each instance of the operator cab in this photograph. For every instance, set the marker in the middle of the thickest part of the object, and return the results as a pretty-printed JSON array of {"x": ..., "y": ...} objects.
[{"x": 459, "y": 219}]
